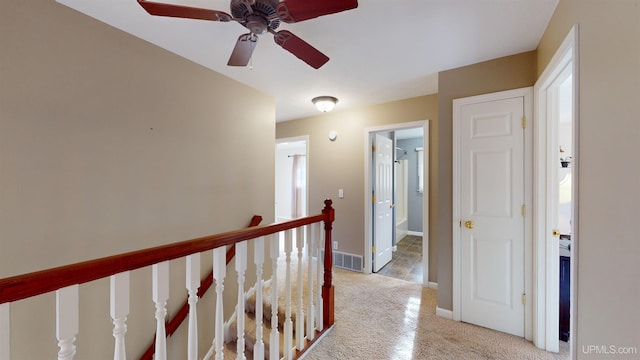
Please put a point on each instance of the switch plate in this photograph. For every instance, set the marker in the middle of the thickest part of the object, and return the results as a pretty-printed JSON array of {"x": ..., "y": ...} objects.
[
  {"x": 335, "y": 245},
  {"x": 341, "y": 193}
]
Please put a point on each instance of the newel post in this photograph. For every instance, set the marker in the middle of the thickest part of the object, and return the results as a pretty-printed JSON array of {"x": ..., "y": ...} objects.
[{"x": 327, "y": 287}]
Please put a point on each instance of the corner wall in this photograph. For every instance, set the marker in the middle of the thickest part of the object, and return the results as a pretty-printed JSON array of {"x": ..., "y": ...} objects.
[
  {"x": 608, "y": 250},
  {"x": 110, "y": 144}
]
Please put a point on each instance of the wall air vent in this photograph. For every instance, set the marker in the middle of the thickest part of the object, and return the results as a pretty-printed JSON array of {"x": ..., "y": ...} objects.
[{"x": 346, "y": 261}]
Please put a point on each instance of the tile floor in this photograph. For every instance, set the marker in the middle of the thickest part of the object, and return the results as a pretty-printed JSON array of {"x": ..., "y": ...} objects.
[{"x": 406, "y": 263}]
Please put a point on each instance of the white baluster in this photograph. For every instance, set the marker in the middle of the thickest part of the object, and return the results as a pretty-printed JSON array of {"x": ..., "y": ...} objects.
[
  {"x": 300, "y": 310},
  {"x": 193, "y": 283},
  {"x": 258, "y": 258},
  {"x": 288, "y": 325},
  {"x": 160, "y": 272},
  {"x": 320, "y": 275},
  {"x": 219, "y": 273},
  {"x": 67, "y": 320},
  {"x": 274, "y": 341},
  {"x": 119, "y": 310},
  {"x": 310, "y": 312},
  {"x": 5, "y": 331},
  {"x": 241, "y": 268}
]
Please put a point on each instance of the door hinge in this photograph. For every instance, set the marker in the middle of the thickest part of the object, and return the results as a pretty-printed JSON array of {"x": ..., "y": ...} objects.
[
  {"x": 524, "y": 299},
  {"x": 524, "y": 210},
  {"x": 373, "y": 199},
  {"x": 524, "y": 122},
  {"x": 373, "y": 148},
  {"x": 373, "y": 249}
]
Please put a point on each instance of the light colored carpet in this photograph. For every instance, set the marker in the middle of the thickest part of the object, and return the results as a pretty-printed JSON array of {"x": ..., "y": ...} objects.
[{"x": 378, "y": 317}]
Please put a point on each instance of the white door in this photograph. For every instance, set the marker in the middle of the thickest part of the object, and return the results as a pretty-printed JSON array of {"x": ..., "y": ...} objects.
[
  {"x": 383, "y": 201},
  {"x": 491, "y": 199}
]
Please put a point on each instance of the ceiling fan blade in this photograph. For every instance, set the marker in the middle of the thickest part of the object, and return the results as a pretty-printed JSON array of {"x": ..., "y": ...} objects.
[
  {"x": 180, "y": 11},
  {"x": 300, "y": 48},
  {"x": 243, "y": 50},
  {"x": 291, "y": 11}
]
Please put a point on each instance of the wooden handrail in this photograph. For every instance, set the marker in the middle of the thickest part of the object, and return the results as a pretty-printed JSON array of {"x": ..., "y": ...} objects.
[
  {"x": 36, "y": 283},
  {"x": 174, "y": 323}
]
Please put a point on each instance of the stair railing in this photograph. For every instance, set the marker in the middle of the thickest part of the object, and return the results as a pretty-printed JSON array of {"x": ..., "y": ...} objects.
[
  {"x": 65, "y": 281},
  {"x": 205, "y": 284}
]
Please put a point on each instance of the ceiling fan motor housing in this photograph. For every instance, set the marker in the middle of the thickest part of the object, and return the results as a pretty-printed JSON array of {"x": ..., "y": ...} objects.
[{"x": 260, "y": 18}]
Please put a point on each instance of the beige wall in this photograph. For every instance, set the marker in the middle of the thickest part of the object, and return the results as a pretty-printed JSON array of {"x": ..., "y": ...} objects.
[
  {"x": 609, "y": 137},
  {"x": 82, "y": 173},
  {"x": 110, "y": 144},
  {"x": 505, "y": 73},
  {"x": 340, "y": 164}
]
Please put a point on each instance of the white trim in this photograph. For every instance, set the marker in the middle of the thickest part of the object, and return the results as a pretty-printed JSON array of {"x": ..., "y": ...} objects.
[
  {"x": 444, "y": 313},
  {"x": 316, "y": 342},
  {"x": 573, "y": 326},
  {"x": 527, "y": 93},
  {"x": 546, "y": 274},
  {"x": 415, "y": 233},
  {"x": 368, "y": 241},
  {"x": 432, "y": 285}
]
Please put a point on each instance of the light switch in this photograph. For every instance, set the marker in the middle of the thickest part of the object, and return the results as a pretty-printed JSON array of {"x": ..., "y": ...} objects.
[{"x": 341, "y": 193}]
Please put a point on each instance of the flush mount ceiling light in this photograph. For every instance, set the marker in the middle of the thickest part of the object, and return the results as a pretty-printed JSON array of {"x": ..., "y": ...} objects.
[{"x": 324, "y": 103}]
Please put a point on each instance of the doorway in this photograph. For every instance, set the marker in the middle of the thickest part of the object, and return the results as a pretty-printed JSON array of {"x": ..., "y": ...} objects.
[
  {"x": 291, "y": 192},
  {"x": 555, "y": 230},
  {"x": 406, "y": 262},
  {"x": 400, "y": 205}
]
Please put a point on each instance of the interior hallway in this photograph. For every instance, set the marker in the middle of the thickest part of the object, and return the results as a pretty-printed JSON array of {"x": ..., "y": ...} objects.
[
  {"x": 407, "y": 265},
  {"x": 379, "y": 317}
]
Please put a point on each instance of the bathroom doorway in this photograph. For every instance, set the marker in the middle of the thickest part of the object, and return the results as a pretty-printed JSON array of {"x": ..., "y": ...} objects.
[
  {"x": 409, "y": 230},
  {"x": 406, "y": 261}
]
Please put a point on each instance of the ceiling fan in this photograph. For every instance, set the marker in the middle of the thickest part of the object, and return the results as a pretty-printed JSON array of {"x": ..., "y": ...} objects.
[{"x": 260, "y": 16}]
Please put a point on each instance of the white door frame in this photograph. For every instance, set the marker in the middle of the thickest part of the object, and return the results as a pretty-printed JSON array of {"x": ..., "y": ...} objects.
[
  {"x": 368, "y": 234},
  {"x": 527, "y": 93},
  {"x": 546, "y": 257}
]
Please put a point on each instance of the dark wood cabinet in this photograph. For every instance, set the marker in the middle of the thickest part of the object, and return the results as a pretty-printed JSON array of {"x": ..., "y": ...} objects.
[{"x": 565, "y": 293}]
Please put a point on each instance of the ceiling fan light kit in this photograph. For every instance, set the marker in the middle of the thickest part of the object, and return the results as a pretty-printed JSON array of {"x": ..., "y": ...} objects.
[
  {"x": 324, "y": 103},
  {"x": 260, "y": 16}
]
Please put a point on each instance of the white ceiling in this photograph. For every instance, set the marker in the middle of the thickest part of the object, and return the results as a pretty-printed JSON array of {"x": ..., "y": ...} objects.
[{"x": 384, "y": 50}]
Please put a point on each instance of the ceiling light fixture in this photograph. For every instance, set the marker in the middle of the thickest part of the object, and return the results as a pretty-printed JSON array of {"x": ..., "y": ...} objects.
[{"x": 324, "y": 103}]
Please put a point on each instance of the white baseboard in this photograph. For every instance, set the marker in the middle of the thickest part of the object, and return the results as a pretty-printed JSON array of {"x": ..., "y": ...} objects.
[
  {"x": 415, "y": 233},
  {"x": 444, "y": 313},
  {"x": 433, "y": 285}
]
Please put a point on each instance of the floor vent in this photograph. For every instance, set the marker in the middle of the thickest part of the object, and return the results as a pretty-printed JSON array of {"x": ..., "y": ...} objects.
[{"x": 346, "y": 261}]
